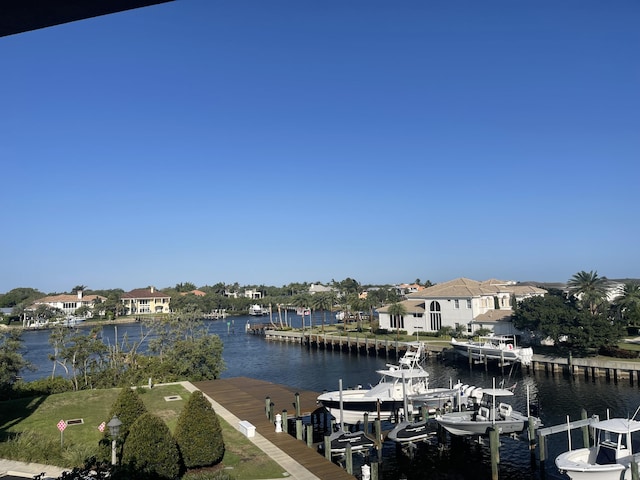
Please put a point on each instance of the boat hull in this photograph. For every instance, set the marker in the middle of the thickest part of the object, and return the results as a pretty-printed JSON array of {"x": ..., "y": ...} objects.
[
  {"x": 463, "y": 424},
  {"x": 504, "y": 352},
  {"x": 575, "y": 464}
]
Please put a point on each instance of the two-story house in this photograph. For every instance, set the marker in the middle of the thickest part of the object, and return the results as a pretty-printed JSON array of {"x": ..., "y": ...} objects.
[
  {"x": 145, "y": 300},
  {"x": 460, "y": 303},
  {"x": 69, "y": 303}
]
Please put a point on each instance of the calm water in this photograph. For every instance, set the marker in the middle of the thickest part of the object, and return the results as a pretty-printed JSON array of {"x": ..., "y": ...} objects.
[{"x": 317, "y": 370}]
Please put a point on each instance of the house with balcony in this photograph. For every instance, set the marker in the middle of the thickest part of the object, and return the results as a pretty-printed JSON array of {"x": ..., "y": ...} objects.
[
  {"x": 145, "y": 300},
  {"x": 462, "y": 302},
  {"x": 69, "y": 303}
]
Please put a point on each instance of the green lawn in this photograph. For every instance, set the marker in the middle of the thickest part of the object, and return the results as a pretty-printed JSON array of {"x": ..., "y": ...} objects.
[{"x": 29, "y": 432}]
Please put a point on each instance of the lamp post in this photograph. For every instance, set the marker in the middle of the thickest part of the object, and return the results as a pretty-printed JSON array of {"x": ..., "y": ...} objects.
[{"x": 114, "y": 429}]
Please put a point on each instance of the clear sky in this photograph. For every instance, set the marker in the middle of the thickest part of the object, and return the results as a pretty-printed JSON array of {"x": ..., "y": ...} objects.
[{"x": 270, "y": 142}]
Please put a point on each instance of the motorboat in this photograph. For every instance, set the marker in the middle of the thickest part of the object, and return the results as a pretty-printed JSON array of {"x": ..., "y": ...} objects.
[
  {"x": 406, "y": 431},
  {"x": 256, "y": 310},
  {"x": 386, "y": 400},
  {"x": 495, "y": 347},
  {"x": 489, "y": 414},
  {"x": 616, "y": 445}
]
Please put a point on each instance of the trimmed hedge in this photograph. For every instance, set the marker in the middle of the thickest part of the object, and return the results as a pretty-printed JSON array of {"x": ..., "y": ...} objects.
[
  {"x": 128, "y": 407},
  {"x": 198, "y": 433},
  {"x": 150, "y": 450}
]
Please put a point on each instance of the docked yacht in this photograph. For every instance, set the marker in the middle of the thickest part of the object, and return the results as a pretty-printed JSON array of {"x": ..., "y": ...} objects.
[
  {"x": 495, "y": 347},
  {"x": 386, "y": 400}
]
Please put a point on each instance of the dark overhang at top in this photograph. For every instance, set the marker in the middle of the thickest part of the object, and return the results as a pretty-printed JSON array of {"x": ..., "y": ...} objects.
[{"x": 17, "y": 16}]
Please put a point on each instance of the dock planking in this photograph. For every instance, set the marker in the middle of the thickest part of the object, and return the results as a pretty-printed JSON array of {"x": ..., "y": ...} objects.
[{"x": 246, "y": 399}]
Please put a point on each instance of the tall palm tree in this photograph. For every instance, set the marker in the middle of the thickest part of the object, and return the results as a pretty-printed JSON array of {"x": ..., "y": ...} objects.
[
  {"x": 397, "y": 310},
  {"x": 322, "y": 301},
  {"x": 589, "y": 289}
]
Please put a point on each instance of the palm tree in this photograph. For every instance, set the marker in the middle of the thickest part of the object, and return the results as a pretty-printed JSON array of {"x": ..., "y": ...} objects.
[
  {"x": 589, "y": 289},
  {"x": 397, "y": 310},
  {"x": 628, "y": 304},
  {"x": 322, "y": 301}
]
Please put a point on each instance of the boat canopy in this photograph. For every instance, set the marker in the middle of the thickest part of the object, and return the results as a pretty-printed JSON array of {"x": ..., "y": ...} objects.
[
  {"x": 497, "y": 392},
  {"x": 403, "y": 373},
  {"x": 618, "y": 425}
]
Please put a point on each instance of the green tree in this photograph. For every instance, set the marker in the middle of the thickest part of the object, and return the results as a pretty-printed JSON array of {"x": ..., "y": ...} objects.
[
  {"x": 589, "y": 289},
  {"x": 322, "y": 301},
  {"x": 128, "y": 407},
  {"x": 628, "y": 304},
  {"x": 396, "y": 313},
  {"x": 151, "y": 450},
  {"x": 198, "y": 433},
  {"x": 11, "y": 360}
]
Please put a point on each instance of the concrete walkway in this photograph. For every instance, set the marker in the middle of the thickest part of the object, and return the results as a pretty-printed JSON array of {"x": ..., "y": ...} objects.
[
  {"x": 291, "y": 466},
  {"x": 13, "y": 468}
]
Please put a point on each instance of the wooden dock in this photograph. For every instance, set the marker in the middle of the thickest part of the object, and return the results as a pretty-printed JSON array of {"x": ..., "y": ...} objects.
[{"x": 247, "y": 398}]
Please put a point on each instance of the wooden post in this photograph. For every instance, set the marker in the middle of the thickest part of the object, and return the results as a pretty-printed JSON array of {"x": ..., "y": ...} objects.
[
  {"x": 374, "y": 471},
  {"x": 378, "y": 432},
  {"x": 570, "y": 363},
  {"x": 297, "y": 404},
  {"x": 299, "y": 433},
  {"x": 365, "y": 425},
  {"x": 285, "y": 422},
  {"x": 494, "y": 443},
  {"x": 271, "y": 416},
  {"x": 309, "y": 435},
  {"x": 267, "y": 402},
  {"x": 349, "y": 459},
  {"x": 542, "y": 447},
  {"x": 327, "y": 447},
  {"x": 585, "y": 430}
]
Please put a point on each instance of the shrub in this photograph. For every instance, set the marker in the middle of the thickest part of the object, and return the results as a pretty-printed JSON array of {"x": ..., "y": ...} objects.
[
  {"x": 198, "y": 433},
  {"x": 128, "y": 407},
  {"x": 44, "y": 386},
  {"x": 150, "y": 450}
]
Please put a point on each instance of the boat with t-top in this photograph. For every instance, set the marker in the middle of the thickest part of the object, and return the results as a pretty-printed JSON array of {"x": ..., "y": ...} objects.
[
  {"x": 616, "y": 446},
  {"x": 490, "y": 413},
  {"x": 386, "y": 400}
]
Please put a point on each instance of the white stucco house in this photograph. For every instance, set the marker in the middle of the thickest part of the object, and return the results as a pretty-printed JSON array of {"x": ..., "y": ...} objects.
[
  {"x": 69, "y": 303},
  {"x": 461, "y": 302}
]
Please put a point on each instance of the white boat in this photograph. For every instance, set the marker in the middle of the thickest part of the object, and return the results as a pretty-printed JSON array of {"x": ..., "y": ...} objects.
[
  {"x": 490, "y": 414},
  {"x": 340, "y": 316},
  {"x": 386, "y": 400},
  {"x": 495, "y": 347},
  {"x": 256, "y": 310},
  {"x": 616, "y": 445}
]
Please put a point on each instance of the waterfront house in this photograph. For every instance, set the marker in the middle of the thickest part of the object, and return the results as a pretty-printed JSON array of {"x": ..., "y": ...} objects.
[
  {"x": 69, "y": 303},
  {"x": 145, "y": 300},
  {"x": 460, "y": 303}
]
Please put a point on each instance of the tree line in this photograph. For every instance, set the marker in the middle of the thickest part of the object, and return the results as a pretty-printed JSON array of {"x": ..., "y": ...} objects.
[{"x": 582, "y": 318}]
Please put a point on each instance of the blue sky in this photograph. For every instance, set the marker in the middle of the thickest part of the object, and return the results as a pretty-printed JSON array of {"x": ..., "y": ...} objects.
[{"x": 289, "y": 141}]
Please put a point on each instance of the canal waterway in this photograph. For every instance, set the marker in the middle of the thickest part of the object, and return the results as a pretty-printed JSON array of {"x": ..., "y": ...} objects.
[{"x": 556, "y": 395}]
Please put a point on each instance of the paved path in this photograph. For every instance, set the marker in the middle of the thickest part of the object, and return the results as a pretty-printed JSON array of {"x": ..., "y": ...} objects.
[
  {"x": 290, "y": 465},
  {"x": 15, "y": 469}
]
